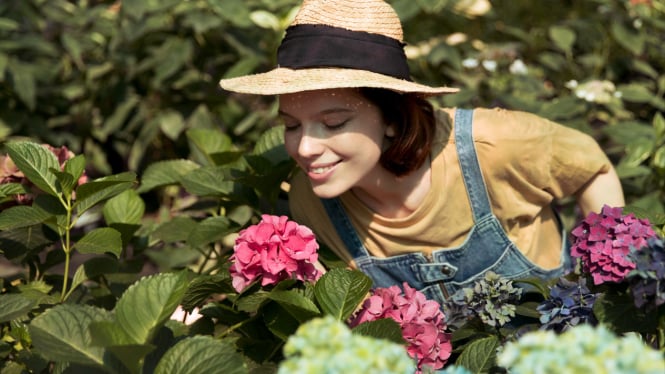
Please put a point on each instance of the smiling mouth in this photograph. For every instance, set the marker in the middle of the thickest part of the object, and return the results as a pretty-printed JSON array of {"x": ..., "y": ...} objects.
[{"x": 321, "y": 169}]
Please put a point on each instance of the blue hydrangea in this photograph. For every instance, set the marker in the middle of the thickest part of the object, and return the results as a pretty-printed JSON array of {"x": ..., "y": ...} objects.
[
  {"x": 569, "y": 304},
  {"x": 327, "y": 346},
  {"x": 647, "y": 280},
  {"x": 583, "y": 349}
]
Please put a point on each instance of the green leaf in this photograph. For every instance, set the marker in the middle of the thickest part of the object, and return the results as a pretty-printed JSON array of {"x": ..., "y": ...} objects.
[
  {"x": 204, "y": 142},
  {"x": 612, "y": 309},
  {"x": 13, "y": 306},
  {"x": 479, "y": 355},
  {"x": 9, "y": 189},
  {"x": 295, "y": 303},
  {"x": 24, "y": 82},
  {"x": 210, "y": 230},
  {"x": 384, "y": 328},
  {"x": 66, "y": 181},
  {"x": 127, "y": 207},
  {"x": 22, "y": 216},
  {"x": 61, "y": 334},
  {"x": 340, "y": 291},
  {"x": 271, "y": 145},
  {"x": 99, "y": 241},
  {"x": 632, "y": 40},
  {"x": 637, "y": 152},
  {"x": 92, "y": 193},
  {"x": 177, "y": 229},
  {"x": 171, "y": 123},
  {"x": 635, "y": 93},
  {"x": 204, "y": 286},
  {"x": 202, "y": 354},
  {"x": 164, "y": 173},
  {"x": 92, "y": 268},
  {"x": 208, "y": 181},
  {"x": 75, "y": 166},
  {"x": 158, "y": 297},
  {"x": 36, "y": 163},
  {"x": 235, "y": 11},
  {"x": 563, "y": 38}
]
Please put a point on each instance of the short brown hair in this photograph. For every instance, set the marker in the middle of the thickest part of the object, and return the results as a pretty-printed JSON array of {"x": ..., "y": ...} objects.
[{"x": 413, "y": 119}]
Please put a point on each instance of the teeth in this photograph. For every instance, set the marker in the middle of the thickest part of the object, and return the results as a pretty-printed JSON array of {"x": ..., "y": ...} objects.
[{"x": 320, "y": 170}]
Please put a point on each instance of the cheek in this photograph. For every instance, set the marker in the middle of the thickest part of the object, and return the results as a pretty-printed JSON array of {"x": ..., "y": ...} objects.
[{"x": 291, "y": 141}]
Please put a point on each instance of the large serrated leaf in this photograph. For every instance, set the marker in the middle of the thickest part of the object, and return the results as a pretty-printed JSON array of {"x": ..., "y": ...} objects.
[
  {"x": 13, "y": 306},
  {"x": 99, "y": 241},
  {"x": 208, "y": 181},
  {"x": 296, "y": 303},
  {"x": 480, "y": 355},
  {"x": 164, "y": 173},
  {"x": 36, "y": 163},
  {"x": 149, "y": 303},
  {"x": 61, "y": 334},
  {"x": 203, "y": 287},
  {"x": 210, "y": 230},
  {"x": 271, "y": 145},
  {"x": 91, "y": 193},
  {"x": 201, "y": 354},
  {"x": 340, "y": 291},
  {"x": 127, "y": 207},
  {"x": 384, "y": 328},
  {"x": 22, "y": 216}
]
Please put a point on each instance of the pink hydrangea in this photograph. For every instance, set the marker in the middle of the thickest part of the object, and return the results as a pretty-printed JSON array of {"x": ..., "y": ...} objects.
[
  {"x": 273, "y": 250},
  {"x": 422, "y": 322},
  {"x": 603, "y": 241}
]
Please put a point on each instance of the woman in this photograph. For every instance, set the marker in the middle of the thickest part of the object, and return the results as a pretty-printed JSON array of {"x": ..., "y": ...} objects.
[{"x": 407, "y": 192}]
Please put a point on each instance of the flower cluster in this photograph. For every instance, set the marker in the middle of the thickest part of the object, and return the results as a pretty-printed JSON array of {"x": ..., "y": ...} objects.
[
  {"x": 9, "y": 173},
  {"x": 603, "y": 241},
  {"x": 569, "y": 304},
  {"x": 492, "y": 298},
  {"x": 582, "y": 349},
  {"x": 273, "y": 250},
  {"x": 647, "y": 281},
  {"x": 326, "y": 345},
  {"x": 422, "y": 322}
]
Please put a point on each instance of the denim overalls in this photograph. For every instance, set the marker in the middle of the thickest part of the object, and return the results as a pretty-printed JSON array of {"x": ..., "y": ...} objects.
[{"x": 486, "y": 247}]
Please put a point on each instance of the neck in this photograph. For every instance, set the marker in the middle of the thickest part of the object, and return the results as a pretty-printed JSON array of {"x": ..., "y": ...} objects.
[{"x": 396, "y": 197}]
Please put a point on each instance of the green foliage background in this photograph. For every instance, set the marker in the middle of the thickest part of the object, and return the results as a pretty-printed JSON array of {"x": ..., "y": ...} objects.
[{"x": 179, "y": 166}]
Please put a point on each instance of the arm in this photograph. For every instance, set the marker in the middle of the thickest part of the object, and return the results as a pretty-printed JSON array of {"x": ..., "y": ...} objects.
[{"x": 604, "y": 188}]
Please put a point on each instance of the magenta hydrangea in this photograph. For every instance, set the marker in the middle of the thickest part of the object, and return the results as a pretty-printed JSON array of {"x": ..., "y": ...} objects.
[
  {"x": 273, "y": 250},
  {"x": 421, "y": 320},
  {"x": 603, "y": 241}
]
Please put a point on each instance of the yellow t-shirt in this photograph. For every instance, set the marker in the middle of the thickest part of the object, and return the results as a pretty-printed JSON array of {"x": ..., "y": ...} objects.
[{"x": 526, "y": 162}]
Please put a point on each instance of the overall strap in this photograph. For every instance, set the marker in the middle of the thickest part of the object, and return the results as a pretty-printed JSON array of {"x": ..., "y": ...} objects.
[
  {"x": 344, "y": 228},
  {"x": 466, "y": 152}
]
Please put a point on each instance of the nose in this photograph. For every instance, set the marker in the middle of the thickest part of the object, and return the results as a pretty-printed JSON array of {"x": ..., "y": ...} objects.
[{"x": 311, "y": 142}]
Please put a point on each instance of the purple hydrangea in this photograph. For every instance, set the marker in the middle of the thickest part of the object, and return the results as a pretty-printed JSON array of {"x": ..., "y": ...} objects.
[
  {"x": 570, "y": 303},
  {"x": 647, "y": 281},
  {"x": 603, "y": 242}
]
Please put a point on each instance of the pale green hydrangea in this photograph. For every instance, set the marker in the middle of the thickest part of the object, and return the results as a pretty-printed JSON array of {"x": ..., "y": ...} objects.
[
  {"x": 582, "y": 349},
  {"x": 327, "y": 346}
]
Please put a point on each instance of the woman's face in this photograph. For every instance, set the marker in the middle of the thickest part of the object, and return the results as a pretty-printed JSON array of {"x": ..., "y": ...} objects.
[{"x": 336, "y": 136}]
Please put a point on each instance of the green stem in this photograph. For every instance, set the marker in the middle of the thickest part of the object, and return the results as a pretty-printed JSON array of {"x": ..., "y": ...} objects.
[
  {"x": 236, "y": 326},
  {"x": 67, "y": 248}
]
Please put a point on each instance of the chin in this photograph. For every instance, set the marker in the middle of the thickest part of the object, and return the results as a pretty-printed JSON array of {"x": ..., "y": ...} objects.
[{"x": 326, "y": 192}]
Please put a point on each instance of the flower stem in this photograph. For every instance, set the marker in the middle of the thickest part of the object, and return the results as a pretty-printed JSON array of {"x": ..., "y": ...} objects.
[{"x": 67, "y": 248}]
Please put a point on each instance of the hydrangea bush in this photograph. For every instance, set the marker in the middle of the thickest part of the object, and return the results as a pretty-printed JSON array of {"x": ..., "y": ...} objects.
[
  {"x": 582, "y": 349},
  {"x": 422, "y": 322},
  {"x": 326, "y": 345}
]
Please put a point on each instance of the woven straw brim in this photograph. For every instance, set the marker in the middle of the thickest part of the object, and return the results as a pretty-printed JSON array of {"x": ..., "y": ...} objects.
[{"x": 283, "y": 80}]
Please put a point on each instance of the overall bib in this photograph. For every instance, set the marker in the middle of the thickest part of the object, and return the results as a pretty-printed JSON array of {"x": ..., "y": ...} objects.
[{"x": 447, "y": 270}]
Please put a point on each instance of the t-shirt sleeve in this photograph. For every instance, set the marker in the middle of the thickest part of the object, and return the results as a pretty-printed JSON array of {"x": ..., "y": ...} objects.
[{"x": 535, "y": 157}]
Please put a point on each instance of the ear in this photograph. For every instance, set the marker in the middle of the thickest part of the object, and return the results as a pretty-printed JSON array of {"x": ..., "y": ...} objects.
[{"x": 390, "y": 131}]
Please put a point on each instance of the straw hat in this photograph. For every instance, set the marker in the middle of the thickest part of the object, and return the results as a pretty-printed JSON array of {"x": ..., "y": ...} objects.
[{"x": 337, "y": 44}]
